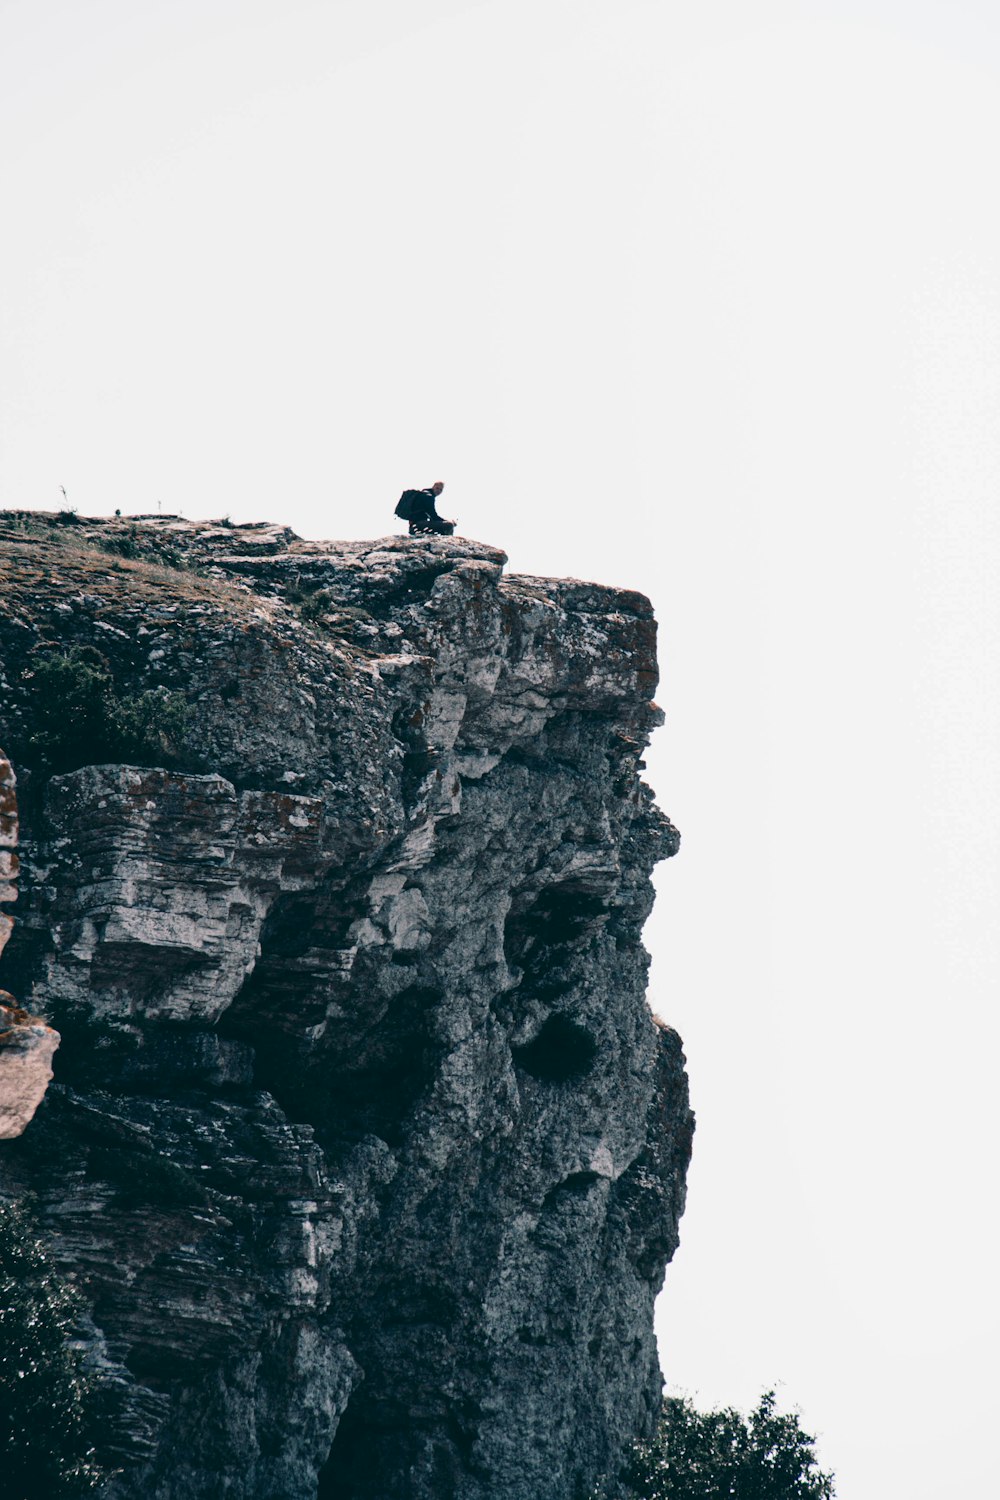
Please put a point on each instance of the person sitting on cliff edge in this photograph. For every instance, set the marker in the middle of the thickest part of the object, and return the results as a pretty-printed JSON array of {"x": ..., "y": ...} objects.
[{"x": 417, "y": 507}]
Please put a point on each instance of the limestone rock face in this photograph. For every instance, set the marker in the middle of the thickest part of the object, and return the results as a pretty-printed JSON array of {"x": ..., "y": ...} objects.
[
  {"x": 365, "y": 1149},
  {"x": 26, "y": 1043}
]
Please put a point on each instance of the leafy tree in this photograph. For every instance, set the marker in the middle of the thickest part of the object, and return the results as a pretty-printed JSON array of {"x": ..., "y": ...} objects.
[
  {"x": 48, "y": 1404},
  {"x": 722, "y": 1455}
]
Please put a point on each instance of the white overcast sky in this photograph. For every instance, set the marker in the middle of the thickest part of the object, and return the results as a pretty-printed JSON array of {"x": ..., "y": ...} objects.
[{"x": 700, "y": 298}]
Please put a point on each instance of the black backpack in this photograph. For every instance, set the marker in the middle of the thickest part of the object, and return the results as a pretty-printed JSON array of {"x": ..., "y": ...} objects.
[{"x": 411, "y": 503}]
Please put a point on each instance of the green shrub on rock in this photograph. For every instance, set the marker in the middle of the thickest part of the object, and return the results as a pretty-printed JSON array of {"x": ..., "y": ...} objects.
[
  {"x": 77, "y": 717},
  {"x": 315, "y": 605},
  {"x": 149, "y": 725}
]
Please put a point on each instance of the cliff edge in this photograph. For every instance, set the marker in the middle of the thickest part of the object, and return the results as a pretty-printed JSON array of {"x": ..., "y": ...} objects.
[{"x": 364, "y": 1148}]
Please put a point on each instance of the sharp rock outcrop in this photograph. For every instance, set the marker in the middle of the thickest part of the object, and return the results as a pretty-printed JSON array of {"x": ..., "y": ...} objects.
[{"x": 364, "y": 1147}]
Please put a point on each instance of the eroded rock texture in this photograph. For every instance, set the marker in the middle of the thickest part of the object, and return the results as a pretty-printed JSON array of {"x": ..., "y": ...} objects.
[{"x": 364, "y": 1146}]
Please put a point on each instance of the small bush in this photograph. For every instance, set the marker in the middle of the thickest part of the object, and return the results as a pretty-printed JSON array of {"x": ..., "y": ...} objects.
[
  {"x": 69, "y": 707},
  {"x": 121, "y": 543},
  {"x": 77, "y": 717},
  {"x": 129, "y": 542},
  {"x": 49, "y": 1405},
  {"x": 149, "y": 724},
  {"x": 315, "y": 606}
]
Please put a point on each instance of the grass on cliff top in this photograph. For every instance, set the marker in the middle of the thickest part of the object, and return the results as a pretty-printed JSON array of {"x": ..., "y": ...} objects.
[{"x": 45, "y": 558}]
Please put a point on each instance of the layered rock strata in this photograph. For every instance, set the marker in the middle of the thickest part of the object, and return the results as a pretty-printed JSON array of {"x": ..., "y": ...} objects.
[{"x": 364, "y": 1147}]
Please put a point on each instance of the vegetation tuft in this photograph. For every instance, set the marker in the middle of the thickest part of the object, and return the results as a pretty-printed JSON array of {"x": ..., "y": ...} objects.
[
  {"x": 317, "y": 607},
  {"x": 78, "y": 718},
  {"x": 129, "y": 542},
  {"x": 49, "y": 1404},
  {"x": 314, "y": 606},
  {"x": 123, "y": 543}
]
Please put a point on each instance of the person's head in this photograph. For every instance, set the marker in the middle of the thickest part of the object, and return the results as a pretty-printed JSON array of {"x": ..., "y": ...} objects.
[{"x": 437, "y": 486}]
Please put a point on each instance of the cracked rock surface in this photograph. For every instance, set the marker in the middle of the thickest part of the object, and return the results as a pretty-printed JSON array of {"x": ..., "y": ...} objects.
[{"x": 364, "y": 1148}]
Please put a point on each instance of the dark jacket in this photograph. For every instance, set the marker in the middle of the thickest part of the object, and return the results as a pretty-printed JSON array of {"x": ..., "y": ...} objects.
[
  {"x": 428, "y": 510},
  {"x": 417, "y": 507}
]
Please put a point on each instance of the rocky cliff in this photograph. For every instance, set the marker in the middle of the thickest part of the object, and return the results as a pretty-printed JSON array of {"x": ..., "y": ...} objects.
[{"x": 363, "y": 1147}]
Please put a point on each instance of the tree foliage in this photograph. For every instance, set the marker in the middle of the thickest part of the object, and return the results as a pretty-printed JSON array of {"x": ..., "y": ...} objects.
[
  {"x": 78, "y": 718},
  {"x": 48, "y": 1403},
  {"x": 722, "y": 1455}
]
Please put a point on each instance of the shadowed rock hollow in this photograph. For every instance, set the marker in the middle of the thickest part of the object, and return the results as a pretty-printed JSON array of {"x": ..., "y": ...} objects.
[{"x": 364, "y": 1147}]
